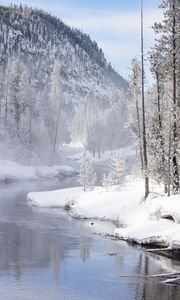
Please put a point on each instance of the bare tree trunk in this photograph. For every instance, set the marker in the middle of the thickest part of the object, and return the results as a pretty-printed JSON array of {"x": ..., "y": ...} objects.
[
  {"x": 5, "y": 124},
  {"x": 169, "y": 163},
  {"x": 57, "y": 127},
  {"x": 139, "y": 133},
  {"x": 0, "y": 104},
  {"x": 87, "y": 122},
  {"x": 30, "y": 130},
  {"x": 143, "y": 110},
  {"x": 6, "y": 114},
  {"x": 175, "y": 135}
]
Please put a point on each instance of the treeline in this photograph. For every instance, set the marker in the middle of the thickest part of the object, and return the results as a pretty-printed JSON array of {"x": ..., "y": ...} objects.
[{"x": 162, "y": 105}]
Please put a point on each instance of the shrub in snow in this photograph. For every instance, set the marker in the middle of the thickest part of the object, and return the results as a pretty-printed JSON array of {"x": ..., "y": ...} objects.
[{"x": 87, "y": 175}]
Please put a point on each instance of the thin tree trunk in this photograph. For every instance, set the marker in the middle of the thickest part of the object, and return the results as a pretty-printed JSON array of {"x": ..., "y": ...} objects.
[
  {"x": 169, "y": 163},
  {"x": 30, "y": 131},
  {"x": 139, "y": 133},
  {"x": 87, "y": 123},
  {"x": 57, "y": 127},
  {"x": 175, "y": 136},
  {"x": 5, "y": 125},
  {"x": 0, "y": 103},
  {"x": 143, "y": 110}
]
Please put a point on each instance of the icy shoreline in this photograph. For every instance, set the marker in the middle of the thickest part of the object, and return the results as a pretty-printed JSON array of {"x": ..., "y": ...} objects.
[{"x": 154, "y": 222}]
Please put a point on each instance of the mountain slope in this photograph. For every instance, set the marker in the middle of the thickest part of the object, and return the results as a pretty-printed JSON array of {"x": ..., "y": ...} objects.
[
  {"x": 33, "y": 32},
  {"x": 49, "y": 75}
]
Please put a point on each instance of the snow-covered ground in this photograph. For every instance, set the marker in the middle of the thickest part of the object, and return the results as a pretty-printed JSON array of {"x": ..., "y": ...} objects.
[
  {"x": 11, "y": 171},
  {"x": 105, "y": 156},
  {"x": 138, "y": 220}
]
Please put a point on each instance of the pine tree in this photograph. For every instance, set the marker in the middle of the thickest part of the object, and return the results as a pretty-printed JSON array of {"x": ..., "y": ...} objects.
[
  {"x": 115, "y": 176},
  {"x": 156, "y": 138},
  {"x": 168, "y": 45},
  {"x": 87, "y": 176},
  {"x": 118, "y": 165},
  {"x": 107, "y": 180}
]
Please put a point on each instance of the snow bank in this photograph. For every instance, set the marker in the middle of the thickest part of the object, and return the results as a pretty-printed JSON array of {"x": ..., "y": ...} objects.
[
  {"x": 59, "y": 198},
  {"x": 160, "y": 207},
  {"x": 11, "y": 171},
  {"x": 150, "y": 232},
  {"x": 138, "y": 220},
  {"x": 56, "y": 171},
  {"x": 112, "y": 205}
]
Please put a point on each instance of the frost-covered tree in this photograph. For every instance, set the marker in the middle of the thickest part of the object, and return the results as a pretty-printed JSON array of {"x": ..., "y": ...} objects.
[
  {"x": 56, "y": 99},
  {"x": 87, "y": 175},
  {"x": 134, "y": 122},
  {"x": 108, "y": 180},
  {"x": 168, "y": 45},
  {"x": 115, "y": 176},
  {"x": 15, "y": 93},
  {"x": 159, "y": 116}
]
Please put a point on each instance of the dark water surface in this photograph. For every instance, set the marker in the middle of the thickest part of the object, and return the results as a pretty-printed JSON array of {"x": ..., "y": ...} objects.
[{"x": 47, "y": 255}]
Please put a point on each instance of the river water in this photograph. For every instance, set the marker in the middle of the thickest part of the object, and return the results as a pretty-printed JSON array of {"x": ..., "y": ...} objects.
[{"x": 47, "y": 255}]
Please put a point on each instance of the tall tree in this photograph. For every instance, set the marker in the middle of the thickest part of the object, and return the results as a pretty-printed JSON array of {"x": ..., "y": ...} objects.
[
  {"x": 157, "y": 125},
  {"x": 15, "y": 93},
  {"x": 134, "y": 121},
  {"x": 56, "y": 98},
  {"x": 169, "y": 45},
  {"x": 144, "y": 138}
]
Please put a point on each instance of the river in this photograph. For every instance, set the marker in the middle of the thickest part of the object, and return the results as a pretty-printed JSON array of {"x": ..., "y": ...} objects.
[{"x": 47, "y": 255}]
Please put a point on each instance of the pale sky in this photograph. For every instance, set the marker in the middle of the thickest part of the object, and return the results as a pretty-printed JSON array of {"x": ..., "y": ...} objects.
[{"x": 114, "y": 24}]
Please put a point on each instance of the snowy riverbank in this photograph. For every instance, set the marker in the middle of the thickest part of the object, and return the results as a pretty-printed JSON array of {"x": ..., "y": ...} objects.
[
  {"x": 144, "y": 222},
  {"x": 11, "y": 171}
]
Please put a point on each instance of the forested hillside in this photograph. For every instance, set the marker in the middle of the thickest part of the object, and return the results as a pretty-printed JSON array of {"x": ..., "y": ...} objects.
[{"x": 55, "y": 86}]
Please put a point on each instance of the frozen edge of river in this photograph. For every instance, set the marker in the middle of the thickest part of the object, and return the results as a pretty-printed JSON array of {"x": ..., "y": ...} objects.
[{"x": 140, "y": 222}]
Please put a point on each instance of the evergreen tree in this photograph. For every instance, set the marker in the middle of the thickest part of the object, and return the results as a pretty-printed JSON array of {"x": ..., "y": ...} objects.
[
  {"x": 118, "y": 166},
  {"x": 134, "y": 122},
  {"x": 87, "y": 176},
  {"x": 168, "y": 45},
  {"x": 115, "y": 176}
]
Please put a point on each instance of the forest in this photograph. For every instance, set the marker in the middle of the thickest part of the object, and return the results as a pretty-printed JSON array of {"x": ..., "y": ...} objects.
[{"x": 56, "y": 87}]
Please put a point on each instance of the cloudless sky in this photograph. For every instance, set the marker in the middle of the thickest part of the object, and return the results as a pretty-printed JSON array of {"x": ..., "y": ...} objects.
[{"x": 114, "y": 24}]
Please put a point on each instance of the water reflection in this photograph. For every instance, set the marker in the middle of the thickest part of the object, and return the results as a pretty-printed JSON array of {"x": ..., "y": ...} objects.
[{"x": 48, "y": 255}]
